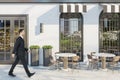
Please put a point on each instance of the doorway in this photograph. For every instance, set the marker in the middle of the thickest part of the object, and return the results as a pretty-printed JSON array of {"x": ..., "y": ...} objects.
[{"x": 9, "y": 27}]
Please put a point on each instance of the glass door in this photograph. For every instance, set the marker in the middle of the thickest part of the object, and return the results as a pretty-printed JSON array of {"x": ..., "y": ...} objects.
[
  {"x": 5, "y": 39},
  {"x": 9, "y": 27}
]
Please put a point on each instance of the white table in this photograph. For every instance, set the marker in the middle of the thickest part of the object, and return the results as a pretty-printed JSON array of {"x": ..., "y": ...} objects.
[
  {"x": 65, "y": 56},
  {"x": 104, "y": 56}
]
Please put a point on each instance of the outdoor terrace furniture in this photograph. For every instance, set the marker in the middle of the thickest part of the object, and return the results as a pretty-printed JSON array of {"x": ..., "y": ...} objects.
[
  {"x": 103, "y": 57},
  {"x": 65, "y": 56},
  {"x": 75, "y": 62},
  {"x": 55, "y": 64},
  {"x": 114, "y": 62},
  {"x": 59, "y": 60},
  {"x": 93, "y": 56},
  {"x": 93, "y": 62}
]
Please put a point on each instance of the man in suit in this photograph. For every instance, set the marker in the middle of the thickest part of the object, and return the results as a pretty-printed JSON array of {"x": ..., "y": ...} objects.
[{"x": 19, "y": 52}]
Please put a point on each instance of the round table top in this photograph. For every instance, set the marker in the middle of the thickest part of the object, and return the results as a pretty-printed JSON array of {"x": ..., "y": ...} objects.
[
  {"x": 65, "y": 55},
  {"x": 104, "y": 55}
]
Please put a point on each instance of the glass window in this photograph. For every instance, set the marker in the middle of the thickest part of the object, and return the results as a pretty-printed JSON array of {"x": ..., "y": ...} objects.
[
  {"x": 7, "y": 23},
  {"x": 110, "y": 33},
  {"x": 41, "y": 27},
  {"x": 16, "y": 23},
  {"x": 22, "y": 23},
  {"x": 1, "y": 23},
  {"x": 105, "y": 22},
  {"x": 71, "y": 33}
]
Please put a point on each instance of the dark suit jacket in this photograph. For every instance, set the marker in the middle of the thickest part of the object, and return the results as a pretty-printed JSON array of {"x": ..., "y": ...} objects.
[{"x": 19, "y": 48}]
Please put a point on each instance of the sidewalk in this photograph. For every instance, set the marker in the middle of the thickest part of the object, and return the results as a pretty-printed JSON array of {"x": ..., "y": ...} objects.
[{"x": 43, "y": 73}]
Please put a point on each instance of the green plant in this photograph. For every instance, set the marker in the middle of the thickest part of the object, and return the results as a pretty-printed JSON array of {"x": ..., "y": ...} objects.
[
  {"x": 47, "y": 47},
  {"x": 34, "y": 47}
]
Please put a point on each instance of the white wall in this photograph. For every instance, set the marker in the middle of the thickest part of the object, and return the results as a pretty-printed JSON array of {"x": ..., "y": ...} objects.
[
  {"x": 48, "y": 14},
  {"x": 91, "y": 29}
]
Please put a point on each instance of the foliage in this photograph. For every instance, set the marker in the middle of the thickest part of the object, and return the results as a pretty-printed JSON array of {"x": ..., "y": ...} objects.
[
  {"x": 70, "y": 43},
  {"x": 47, "y": 47},
  {"x": 34, "y": 47}
]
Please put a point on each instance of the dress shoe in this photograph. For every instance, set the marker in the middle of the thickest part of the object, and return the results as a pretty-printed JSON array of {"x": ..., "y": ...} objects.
[
  {"x": 11, "y": 74},
  {"x": 31, "y": 74}
]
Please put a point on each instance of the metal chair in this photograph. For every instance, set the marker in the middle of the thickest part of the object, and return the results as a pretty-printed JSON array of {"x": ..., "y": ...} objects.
[
  {"x": 114, "y": 62},
  {"x": 93, "y": 62},
  {"x": 75, "y": 62},
  {"x": 55, "y": 64},
  {"x": 59, "y": 61}
]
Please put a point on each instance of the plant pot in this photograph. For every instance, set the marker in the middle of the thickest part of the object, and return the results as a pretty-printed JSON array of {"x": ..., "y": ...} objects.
[
  {"x": 34, "y": 57},
  {"x": 46, "y": 56}
]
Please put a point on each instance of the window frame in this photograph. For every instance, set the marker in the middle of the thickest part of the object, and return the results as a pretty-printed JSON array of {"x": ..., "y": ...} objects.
[{"x": 81, "y": 29}]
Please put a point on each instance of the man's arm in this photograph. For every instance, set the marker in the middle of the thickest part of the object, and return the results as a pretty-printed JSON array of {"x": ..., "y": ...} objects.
[{"x": 16, "y": 46}]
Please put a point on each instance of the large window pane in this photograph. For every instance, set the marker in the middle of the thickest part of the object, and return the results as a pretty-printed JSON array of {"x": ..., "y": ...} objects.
[
  {"x": 1, "y": 23},
  {"x": 71, "y": 33},
  {"x": 110, "y": 33},
  {"x": 22, "y": 23}
]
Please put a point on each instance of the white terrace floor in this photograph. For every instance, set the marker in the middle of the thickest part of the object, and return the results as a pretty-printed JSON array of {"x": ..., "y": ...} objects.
[{"x": 43, "y": 73}]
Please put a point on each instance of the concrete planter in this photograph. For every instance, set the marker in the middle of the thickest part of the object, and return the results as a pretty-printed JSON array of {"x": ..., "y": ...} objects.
[
  {"x": 46, "y": 56},
  {"x": 34, "y": 57}
]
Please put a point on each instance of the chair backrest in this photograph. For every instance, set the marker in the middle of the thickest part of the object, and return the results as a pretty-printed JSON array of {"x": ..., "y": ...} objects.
[
  {"x": 76, "y": 58},
  {"x": 56, "y": 56},
  {"x": 92, "y": 53},
  {"x": 89, "y": 56},
  {"x": 57, "y": 52},
  {"x": 116, "y": 58},
  {"x": 51, "y": 57}
]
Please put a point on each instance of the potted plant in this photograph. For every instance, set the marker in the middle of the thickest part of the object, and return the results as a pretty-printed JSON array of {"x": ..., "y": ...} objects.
[
  {"x": 47, "y": 52},
  {"x": 34, "y": 55}
]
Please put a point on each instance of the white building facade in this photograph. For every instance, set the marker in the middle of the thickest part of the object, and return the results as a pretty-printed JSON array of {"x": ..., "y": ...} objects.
[{"x": 48, "y": 14}]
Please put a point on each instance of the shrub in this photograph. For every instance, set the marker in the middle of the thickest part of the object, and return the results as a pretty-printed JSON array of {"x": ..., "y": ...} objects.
[
  {"x": 47, "y": 47},
  {"x": 34, "y": 47}
]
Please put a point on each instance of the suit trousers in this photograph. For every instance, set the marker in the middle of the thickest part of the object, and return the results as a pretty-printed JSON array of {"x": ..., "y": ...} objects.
[{"x": 22, "y": 59}]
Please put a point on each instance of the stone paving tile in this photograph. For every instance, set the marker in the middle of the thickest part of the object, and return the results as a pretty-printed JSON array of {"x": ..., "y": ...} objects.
[{"x": 43, "y": 73}]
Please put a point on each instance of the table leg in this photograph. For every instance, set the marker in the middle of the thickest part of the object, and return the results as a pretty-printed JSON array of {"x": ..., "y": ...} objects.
[
  {"x": 103, "y": 62},
  {"x": 65, "y": 62}
]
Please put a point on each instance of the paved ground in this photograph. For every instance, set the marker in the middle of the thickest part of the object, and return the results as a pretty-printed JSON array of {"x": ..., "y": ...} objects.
[{"x": 43, "y": 73}]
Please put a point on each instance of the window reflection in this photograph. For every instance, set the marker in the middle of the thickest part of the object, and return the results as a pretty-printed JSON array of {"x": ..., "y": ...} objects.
[
  {"x": 21, "y": 23},
  {"x": 1, "y": 23},
  {"x": 7, "y": 23},
  {"x": 16, "y": 23},
  {"x": 71, "y": 33},
  {"x": 110, "y": 33}
]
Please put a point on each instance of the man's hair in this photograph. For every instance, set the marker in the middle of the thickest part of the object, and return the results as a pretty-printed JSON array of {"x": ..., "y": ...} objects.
[{"x": 20, "y": 30}]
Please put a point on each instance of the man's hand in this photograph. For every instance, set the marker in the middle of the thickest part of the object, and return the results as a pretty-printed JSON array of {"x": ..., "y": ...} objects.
[
  {"x": 13, "y": 55},
  {"x": 29, "y": 51}
]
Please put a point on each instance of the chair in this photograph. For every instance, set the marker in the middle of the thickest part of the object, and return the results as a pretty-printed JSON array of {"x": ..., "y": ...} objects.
[
  {"x": 93, "y": 62},
  {"x": 75, "y": 62},
  {"x": 59, "y": 60},
  {"x": 55, "y": 64},
  {"x": 92, "y": 53},
  {"x": 114, "y": 62}
]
